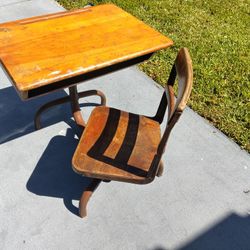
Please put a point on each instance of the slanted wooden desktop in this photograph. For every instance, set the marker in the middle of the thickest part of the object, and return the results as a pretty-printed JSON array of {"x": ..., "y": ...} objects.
[{"x": 50, "y": 52}]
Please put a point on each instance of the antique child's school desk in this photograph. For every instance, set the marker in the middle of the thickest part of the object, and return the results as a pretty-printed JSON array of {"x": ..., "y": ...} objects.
[{"x": 50, "y": 52}]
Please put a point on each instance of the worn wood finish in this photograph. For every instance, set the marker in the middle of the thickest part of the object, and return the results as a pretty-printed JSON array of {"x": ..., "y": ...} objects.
[
  {"x": 117, "y": 145},
  {"x": 121, "y": 146},
  {"x": 42, "y": 50},
  {"x": 183, "y": 69}
]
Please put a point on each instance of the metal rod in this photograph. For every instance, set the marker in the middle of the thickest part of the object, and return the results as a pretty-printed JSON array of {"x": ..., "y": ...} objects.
[
  {"x": 73, "y": 99},
  {"x": 75, "y": 107}
]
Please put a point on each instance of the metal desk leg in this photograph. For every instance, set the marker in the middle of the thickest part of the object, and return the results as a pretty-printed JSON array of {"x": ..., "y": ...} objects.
[
  {"x": 46, "y": 106},
  {"x": 73, "y": 98},
  {"x": 76, "y": 111}
]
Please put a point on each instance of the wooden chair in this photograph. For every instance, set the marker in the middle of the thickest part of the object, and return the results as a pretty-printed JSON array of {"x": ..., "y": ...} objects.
[{"x": 121, "y": 146}]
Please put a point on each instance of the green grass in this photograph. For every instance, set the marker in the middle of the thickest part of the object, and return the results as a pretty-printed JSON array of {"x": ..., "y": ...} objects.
[{"x": 217, "y": 36}]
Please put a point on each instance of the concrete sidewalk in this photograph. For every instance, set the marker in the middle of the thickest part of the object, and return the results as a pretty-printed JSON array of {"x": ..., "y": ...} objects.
[{"x": 201, "y": 202}]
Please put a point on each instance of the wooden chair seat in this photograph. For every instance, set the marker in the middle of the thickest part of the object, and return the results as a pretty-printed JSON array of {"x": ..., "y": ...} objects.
[{"x": 117, "y": 145}]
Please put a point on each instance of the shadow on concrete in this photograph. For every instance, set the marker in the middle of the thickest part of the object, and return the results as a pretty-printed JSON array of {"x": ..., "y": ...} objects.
[
  {"x": 231, "y": 233},
  {"x": 160, "y": 248},
  {"x": 17, "y": 116},
  {"x": 53, "y": 175}
]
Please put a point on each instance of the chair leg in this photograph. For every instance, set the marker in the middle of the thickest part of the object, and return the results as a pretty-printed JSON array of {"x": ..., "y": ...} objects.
[
  {"x": 160, "y": 169},
  {"x": 87, "y": 193}
]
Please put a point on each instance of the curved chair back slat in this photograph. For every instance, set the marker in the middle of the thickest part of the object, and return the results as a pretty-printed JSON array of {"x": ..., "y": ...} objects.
[{"x": 182, "y": 69}]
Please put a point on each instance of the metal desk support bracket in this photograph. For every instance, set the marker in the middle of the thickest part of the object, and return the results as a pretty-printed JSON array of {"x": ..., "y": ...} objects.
[{"x": 73, "y": 98}]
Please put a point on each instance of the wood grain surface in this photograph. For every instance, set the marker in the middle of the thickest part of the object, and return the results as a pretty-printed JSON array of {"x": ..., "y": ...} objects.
[
  {"x": 41, "y": 50},
  {"x": 117, "y": 145}
]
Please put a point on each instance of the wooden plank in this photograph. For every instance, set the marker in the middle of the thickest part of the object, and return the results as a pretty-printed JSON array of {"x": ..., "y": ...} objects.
[{"x": 46, "y": 49}]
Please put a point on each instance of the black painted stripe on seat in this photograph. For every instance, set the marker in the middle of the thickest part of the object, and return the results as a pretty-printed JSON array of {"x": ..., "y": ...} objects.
[
  {"x": 129, "y": 140},
  {"x": 122, "y": 157},
  {"x": 107, "y": 134}
]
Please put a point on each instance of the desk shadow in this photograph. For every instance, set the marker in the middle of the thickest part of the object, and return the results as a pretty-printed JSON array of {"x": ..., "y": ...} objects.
[
  {"x": 231, "y": 233},
  {"x": 17, "y": 116},
  {"x": 53, "y": 175}
]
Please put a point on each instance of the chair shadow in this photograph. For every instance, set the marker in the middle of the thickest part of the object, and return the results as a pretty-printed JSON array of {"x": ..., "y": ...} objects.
[{"x": 53, "y": 175}]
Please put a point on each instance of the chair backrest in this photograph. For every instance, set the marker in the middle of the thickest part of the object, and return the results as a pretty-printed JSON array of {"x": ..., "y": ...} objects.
[{"x": 182, "y": 68}]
